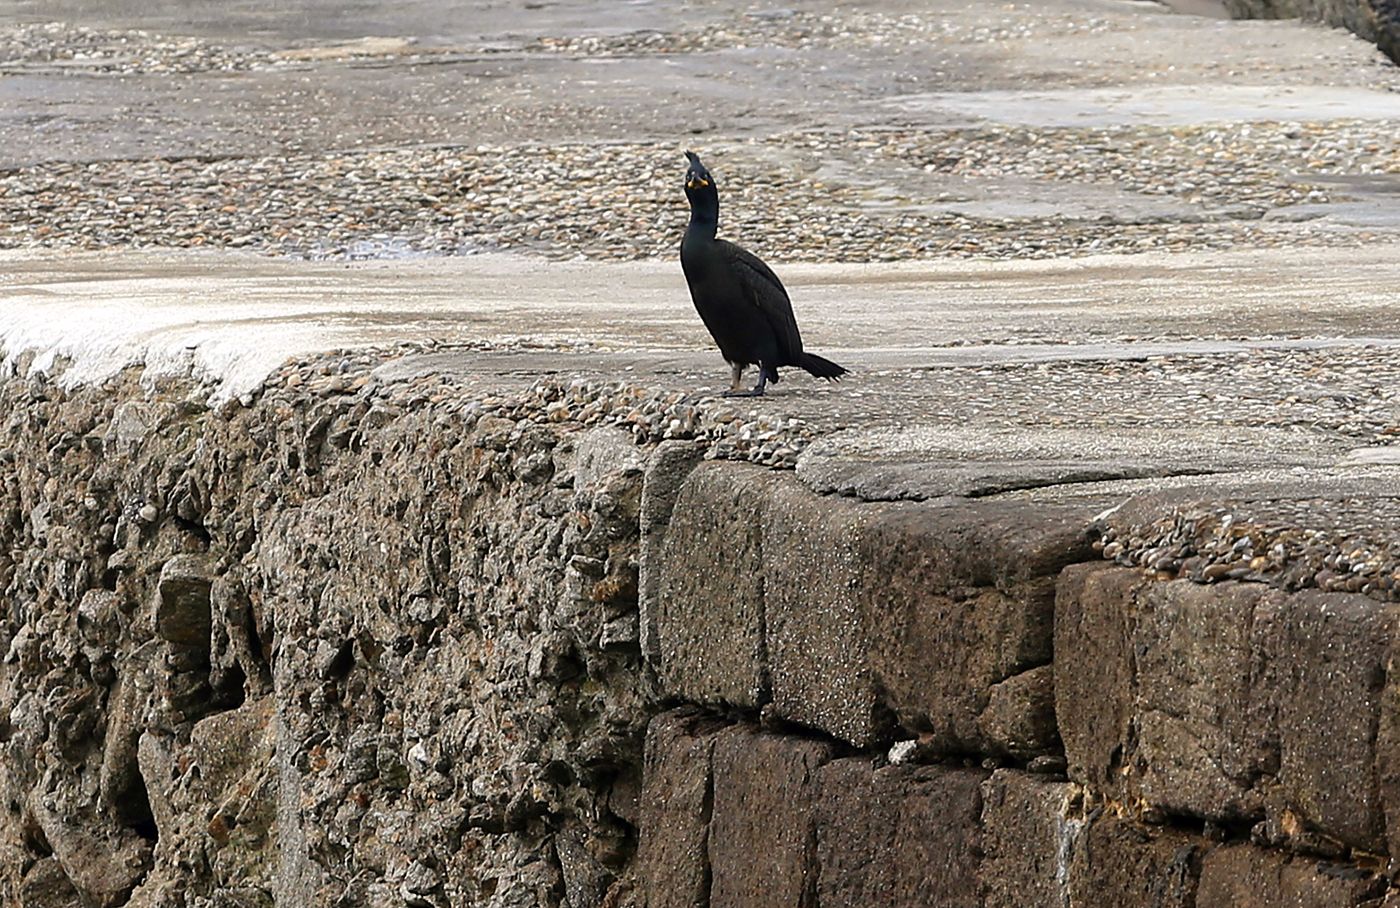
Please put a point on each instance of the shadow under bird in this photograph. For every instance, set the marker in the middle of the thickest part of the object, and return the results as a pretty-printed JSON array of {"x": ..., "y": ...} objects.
[{"x": 739, "y": 298}]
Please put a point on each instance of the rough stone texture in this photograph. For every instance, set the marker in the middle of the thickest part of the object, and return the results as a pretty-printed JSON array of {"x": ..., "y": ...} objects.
[
  {"x": 1120, "y": 865},
  {"x": 1020, "y": 714},
  {"x": 1029, "y": 833},
  {"x": 817, "y": 640},
  {"x": 183, "y": 614},
  {"x": 1094, "y": 671},
  {"x": 1233, "y": 702},
  {"x": 1242, "y": 876},
  {"x": 46, "y": 884},
  {"x": 958, "y": 601},
  {"x": 762, "y": 845},
  {"x": 1326, "y": 654},
  {"x": 670, "y": 464},
  {"x": 1204, "y": 734},
  {"x": 1388, "y": 742},
  {"x": 931, "y": 615},
  {"x": 677, "y": 801},
  {"x": 710, "y": 619},
  {"x": 201, "y": 640},
  {"x": 102, "y": 861},
  {"x": 214, "y": 693},
  {"x": 898, "y": 836}
]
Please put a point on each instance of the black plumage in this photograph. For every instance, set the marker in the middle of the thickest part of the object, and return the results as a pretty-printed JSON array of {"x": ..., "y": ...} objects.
[{"x": 739, "y": 298}]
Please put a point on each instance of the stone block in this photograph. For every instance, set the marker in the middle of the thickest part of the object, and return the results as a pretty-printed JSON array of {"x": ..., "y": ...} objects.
[
  {"x": 1324, "y": 658},
  {"x": 677, "y": 797},
  {"x": 818, "y": 648},
  {"x": 710, "y": 611},
  {"x": 238, "y": 665},
  {"x": 230, "y": 745},
  {"x": 761, "y": 844},
  {"x": 1094, "y": 674},
  {"x": 601, "y": 452},
  {"x": 1203, "y": 734},
  {"x": 1117, "y": 864},
  {"x": 1019, "y": 718},
  {"x": 128, "y": 706},
  {"x": 102, "y": 861},
  {"x": 1028, "y": 836},
  {"x": 182, "y": 607},
  {"x": 1243, "y": 876},
  {"x": 158, "y": 773},
  {"x": 1226, "y": 702},
  {"x": 45, "y": 885},
  {"x": 898, "y": 836},
  {"x": 916, "y": 613},
  {"x": 666, "y": 472}
]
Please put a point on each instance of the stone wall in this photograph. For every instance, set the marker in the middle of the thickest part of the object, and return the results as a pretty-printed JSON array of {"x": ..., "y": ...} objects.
[
  {"x": 340, "y": 646},
  {"x": 1377, "y": 21},
  {"x": 352, "y": 641}
]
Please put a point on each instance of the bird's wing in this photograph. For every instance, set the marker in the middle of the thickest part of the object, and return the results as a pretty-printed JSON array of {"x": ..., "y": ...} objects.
[{"x": 767, "y": 293}]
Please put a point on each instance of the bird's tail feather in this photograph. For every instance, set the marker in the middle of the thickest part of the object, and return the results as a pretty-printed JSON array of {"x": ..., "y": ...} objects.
[{"x": 821, "y": 368}]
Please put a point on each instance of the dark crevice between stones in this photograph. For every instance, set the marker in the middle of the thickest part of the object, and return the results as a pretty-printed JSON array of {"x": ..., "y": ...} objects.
[
  {"x": 1088, "y": 478},
  {"x": 707, "y": 813},
  {"x": 232, "y": 691},
  {"x": 132, "y": 807},
  {"x": 193, "y": 527}
]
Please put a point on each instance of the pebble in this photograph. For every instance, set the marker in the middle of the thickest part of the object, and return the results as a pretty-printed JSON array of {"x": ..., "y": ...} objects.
[
  {"x": 1331, "y": 545},
  {"x": 125, "y": 51},
  {"x": 402, "y": 203}
]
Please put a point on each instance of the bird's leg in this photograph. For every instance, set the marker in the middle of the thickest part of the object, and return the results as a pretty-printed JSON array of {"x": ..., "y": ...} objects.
[
  {"x": 736, "y": 376},
  {"x": 755, "y": 391},
  {"x": 736, "y": 384}
]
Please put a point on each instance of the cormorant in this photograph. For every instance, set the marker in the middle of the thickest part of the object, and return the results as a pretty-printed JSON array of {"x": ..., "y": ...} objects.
[{"x": 738, "y": 297}]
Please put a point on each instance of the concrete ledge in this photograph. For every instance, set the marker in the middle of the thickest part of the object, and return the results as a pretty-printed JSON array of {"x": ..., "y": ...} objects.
[{"x": 930, "y": 617}]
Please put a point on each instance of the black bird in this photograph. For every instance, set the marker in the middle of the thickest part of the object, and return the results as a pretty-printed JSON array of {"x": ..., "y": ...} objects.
[{"x": 738, "y": 297}]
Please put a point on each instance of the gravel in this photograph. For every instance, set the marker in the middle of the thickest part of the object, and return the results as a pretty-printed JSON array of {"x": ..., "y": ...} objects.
[
  {"x": 753, "y": 432},
  {"x": 813, "y": 195},
  {"x": 798, "y": 30},
  {"x": 1296, "y": 543},
  {"x": 125, "y": 51},
  {"x": 623, "y": 201}
]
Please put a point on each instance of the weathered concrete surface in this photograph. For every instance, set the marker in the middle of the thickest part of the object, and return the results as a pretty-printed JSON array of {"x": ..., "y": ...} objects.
[
  {"x": 237, "y": 317},
  {"x": 413, "y": 716},
  {"x": 472, "y": 73}
]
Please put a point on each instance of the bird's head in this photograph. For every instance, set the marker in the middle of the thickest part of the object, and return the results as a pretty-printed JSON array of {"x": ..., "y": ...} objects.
[{"x": 698, "y": 182}]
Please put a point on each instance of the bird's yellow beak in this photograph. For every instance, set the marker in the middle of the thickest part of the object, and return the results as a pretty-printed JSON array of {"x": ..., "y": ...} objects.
[{"x": 696, "y": 183}]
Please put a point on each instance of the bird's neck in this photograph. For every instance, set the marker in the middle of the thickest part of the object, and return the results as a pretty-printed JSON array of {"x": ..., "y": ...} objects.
[{"x": 704, "y": 219}]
